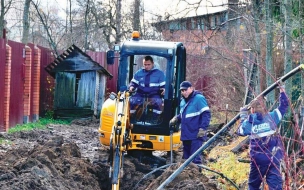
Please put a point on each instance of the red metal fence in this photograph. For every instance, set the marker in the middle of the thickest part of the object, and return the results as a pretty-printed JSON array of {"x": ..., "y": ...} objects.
[
  {"x": 112, "y": 84},
  {"x": 100, "y": 57},
  {"x": 16, "y": 83},
  {"x": 2, "y": 81},
  {"x": 47, "y": 83},
  {"x": 27, "y": 90}
]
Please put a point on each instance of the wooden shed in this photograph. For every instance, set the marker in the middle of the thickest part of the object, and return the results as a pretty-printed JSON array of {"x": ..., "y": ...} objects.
[{"x": 79, "y": 84}]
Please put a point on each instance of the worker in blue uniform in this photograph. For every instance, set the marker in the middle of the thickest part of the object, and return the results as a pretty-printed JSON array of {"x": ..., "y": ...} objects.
[
  {"x": 266, "y": 147},
  {"x": 194, "y": 118},
  {"x": 149, "y": 83}
]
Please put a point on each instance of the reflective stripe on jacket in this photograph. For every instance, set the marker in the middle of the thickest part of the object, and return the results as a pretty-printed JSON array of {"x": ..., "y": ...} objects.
[{"x": 148, "y": 82}]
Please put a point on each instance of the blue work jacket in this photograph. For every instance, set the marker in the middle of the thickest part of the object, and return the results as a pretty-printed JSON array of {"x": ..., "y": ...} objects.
[
  {"x": 194, "y": 114},
  {"x": 265, "y": 144},
  {"x": 148, "y": 82}
]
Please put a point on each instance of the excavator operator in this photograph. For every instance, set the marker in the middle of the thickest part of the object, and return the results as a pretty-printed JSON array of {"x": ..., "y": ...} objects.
[{"x": 150, "y": 84}]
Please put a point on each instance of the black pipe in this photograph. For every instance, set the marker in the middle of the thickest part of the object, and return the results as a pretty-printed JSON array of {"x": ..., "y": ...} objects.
[
  {"x": 153, "y": 171},
  {"x": 226, "y": 127},
  {"x": 219, "y": 173}
]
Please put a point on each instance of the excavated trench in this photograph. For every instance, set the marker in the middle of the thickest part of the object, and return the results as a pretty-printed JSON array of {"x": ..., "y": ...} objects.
[{"x": 71, "y": 157}]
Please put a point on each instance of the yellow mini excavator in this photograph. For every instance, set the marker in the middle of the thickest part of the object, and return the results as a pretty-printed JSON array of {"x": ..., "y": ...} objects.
[{"x": 142, "y": 133}]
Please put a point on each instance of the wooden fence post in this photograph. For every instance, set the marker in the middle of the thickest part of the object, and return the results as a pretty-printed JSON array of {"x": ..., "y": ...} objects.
[{"x": 7, "y": 88}]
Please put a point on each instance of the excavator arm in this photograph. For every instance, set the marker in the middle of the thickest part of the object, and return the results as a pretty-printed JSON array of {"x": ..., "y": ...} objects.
[{"x": 120, "y": 136}]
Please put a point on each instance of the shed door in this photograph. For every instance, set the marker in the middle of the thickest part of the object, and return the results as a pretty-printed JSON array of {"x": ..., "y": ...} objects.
[
  {"x": 65, "y": 90},
  {"x": 86, "y": 90}
]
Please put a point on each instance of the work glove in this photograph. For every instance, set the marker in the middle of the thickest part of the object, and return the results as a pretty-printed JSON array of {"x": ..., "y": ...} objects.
[
  {"x": 243, "y": 113},
  {"x": 162, "y": 91},
  {"x": 281, "y": 85},
  {"x": 173, "y": 121},
  {"x": 131, "y": 89},
  {"x": 201, "y": 133}
]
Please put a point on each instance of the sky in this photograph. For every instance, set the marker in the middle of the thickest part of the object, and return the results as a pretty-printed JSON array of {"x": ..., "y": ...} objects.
[{"x": 165, "y": 7}]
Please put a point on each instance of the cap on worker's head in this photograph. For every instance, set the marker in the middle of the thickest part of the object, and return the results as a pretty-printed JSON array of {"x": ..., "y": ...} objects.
[{"x": 185, "y": 85}]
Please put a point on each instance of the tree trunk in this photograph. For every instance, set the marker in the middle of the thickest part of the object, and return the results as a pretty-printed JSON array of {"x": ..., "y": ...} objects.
[
  {"x": 2, "y": 19},
  {"x": 257, "y": 13},
  {"x": 301, "y": 45},
  {"x": 287, "y": 43},
  {"x": 70, "y": 17},
  {"x": 269, "y": 50},
  {"x": 250, "y": 70},
  {"x": 86, "y": 45},
  {"x": 4, "y": 7},
  {"x": 232, "y": 13},
  {"x": 136, "y": 16},
  {"x": 26, "y": 22},
  {"x": 118, "y": 22}
]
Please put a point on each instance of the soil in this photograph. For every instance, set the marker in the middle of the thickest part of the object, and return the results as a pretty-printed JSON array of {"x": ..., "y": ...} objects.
[{"x": 71, "y": 157}]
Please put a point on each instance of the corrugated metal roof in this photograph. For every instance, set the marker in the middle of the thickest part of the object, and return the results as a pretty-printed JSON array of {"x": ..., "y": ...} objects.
[{"x": 73, "y": 59}]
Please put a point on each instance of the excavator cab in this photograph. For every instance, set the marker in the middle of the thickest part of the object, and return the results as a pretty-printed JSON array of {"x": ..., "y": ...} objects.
[{"x": 151, "y": 115}]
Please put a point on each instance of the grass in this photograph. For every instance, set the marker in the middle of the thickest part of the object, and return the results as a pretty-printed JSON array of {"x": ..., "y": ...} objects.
[
  {"x": 228, "y": 164},
  {"x": 40, "y": 124},
  {"x": 4, "y": 141}
]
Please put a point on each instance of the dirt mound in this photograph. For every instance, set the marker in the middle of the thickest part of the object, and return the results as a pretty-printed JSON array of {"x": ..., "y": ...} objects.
[
  {"x": 189, "y": 178},
  {"x": 64, "y": 157},
  {"x": 52, "y": 165}
]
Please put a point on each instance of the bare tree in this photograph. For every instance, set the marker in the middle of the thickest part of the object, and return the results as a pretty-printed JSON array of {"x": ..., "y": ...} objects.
[
  {"x": 287, "y": 10},
  {"x": 301, "y": 49},
  {"x": 102, "y": 26},
  {"x": 86, "y": 24},
  {"x": 70, "y": 16},
  {"x": 257, "y": 6},
  {"x": 25, "y": 21},
  {"x": 48, "y": 27},
  {"x": 4, "y": 9},
  {"x": 269, "y": 48},
  {"x": 104, "y": 17},
  {"x": 110, "y": 23},
  {"x": 136, "y": 15},
  {"x": 118, "y": 22}
]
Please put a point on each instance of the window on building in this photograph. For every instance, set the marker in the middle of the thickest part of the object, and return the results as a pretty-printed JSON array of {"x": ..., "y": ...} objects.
[
  {"x": 201, "y": 24},
  {"x": 204, "y": 49},
  {"x": 173, "y": 25},
  {"x": 207, "y": 22},
  {"x": 223, "y": 18},
  {"x": 212, "y": 21},
  {"x": 193, "y": 23},
  {"x": 182, "y": 25}
]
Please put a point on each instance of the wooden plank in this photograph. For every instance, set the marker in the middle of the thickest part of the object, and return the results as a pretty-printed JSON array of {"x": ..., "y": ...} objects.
[{"x": 244, "y": 141}]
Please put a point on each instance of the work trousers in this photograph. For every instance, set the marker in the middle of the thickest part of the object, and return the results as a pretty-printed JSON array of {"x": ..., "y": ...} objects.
[
  {"x": 145, "y": 108},
  {"x": 189, "y": 147},
  {"x": 272, "y": 173}
]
